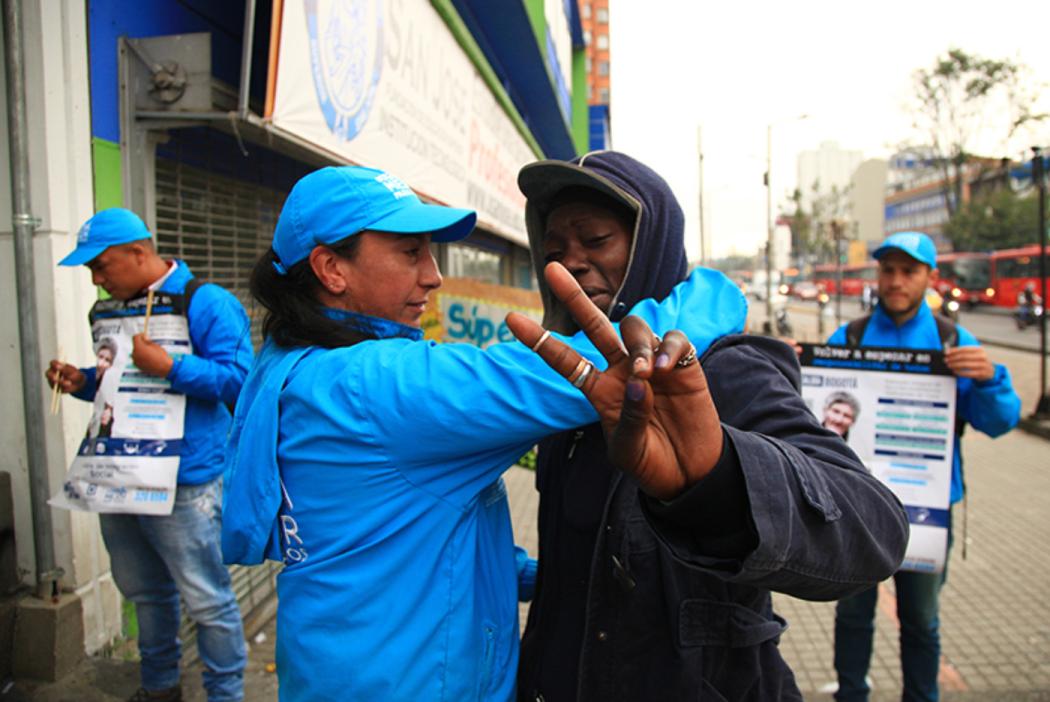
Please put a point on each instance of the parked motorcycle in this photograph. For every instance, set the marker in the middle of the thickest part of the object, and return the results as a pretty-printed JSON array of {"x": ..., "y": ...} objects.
[{"x": 952, "y": 304}]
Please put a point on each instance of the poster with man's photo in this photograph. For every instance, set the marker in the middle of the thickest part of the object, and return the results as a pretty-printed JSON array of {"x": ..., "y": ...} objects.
[
  {"x": 896, "y": 410},
  {"x": 128, "y": 461}
]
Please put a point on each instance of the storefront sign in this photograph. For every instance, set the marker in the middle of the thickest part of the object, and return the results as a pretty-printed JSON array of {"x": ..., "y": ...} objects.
[
  {"x": 470, "y": 312},
  {"x": 384, "y": 83}
]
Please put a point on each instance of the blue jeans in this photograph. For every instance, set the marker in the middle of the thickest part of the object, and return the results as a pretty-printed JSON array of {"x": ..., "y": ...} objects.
[
  {"x": 154, "y": 560},
  {"x": 918, "y": 608}
]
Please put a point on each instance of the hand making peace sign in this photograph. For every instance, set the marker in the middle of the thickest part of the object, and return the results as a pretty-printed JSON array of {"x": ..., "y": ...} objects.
[{"x": 656, "y": 411}]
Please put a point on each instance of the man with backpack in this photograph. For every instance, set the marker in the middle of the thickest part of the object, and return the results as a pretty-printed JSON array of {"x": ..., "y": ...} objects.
[
  {"x": 172, "y": 385},
  {"x": 985, "y": 399}
]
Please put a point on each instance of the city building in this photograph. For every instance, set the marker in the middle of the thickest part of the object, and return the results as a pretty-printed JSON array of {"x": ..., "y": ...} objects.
[
  {"x": 867, "y": 192},
  {"x": 826, "y": 170},
  {"x": 200, "y": 116},
  {"x": 595, "y": 20}
]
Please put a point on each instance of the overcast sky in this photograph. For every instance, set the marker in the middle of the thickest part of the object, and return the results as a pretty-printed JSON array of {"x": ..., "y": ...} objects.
[{"x": 734, "y": 68}]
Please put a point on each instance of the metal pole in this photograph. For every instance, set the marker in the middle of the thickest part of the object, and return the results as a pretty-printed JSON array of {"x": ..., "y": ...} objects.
[
  {"x": 1042, "y": 407},
  {"x": 700, "y": 159},
  {"x": 769, "y": 225},
  {"x": 247, "y": 44},
  {"x": 836, "y": 230},
  {"x": 24, "y": 225}
]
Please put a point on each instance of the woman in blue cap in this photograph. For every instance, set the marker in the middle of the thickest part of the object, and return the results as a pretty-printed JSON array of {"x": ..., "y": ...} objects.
[{"x": 369, "y": 460}]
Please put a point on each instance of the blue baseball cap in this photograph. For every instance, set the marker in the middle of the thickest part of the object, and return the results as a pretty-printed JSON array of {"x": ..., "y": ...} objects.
[
  {"x": 110, "y": 227},
  {"x": 333, "y": 203},
  {"x": 915, "y": 244}
]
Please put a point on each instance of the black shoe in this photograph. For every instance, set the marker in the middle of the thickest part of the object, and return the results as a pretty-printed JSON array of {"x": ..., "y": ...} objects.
[{"x": 171, "y": 694}]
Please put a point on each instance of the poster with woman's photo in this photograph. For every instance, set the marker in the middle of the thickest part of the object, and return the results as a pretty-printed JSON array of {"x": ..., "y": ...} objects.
[
  {"x": 896, "y": 410},
  {"x": 128, "y": 461}
]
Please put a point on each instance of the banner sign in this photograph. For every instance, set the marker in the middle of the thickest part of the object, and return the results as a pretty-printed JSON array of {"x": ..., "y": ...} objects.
[
  {"x": 468, "y": 311},
  {"x": 896, "y": 410},
  {"x": 128, "y": 461},
  {"x": 385, "y": 84}
]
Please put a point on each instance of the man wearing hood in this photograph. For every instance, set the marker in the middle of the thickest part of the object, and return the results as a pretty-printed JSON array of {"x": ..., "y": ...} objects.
[{"x": 641, "y": 598}]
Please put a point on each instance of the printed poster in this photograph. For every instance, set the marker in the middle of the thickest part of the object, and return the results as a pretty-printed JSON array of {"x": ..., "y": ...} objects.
[
  {"x": 128, "y": 461},
  {"x": 896, "y": 410}
]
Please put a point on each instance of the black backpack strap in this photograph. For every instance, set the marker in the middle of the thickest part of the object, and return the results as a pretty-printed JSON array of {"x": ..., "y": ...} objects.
[
  {"x": 947, "y": 330},
  {"x": 192, "y": 285},
  {"x": 855, "y": 330}
]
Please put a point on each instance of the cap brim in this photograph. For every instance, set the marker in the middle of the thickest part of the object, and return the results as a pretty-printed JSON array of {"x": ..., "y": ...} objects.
[
  {"x": 82, "y": 255},
  {"x": 444, "y": 224},
  {"x": 885, "y": 248},
  {"x": 540, "y": 182}
]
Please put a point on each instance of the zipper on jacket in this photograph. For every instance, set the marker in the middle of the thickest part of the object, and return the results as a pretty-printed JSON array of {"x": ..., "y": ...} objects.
[{"x": 576, "y": 436}]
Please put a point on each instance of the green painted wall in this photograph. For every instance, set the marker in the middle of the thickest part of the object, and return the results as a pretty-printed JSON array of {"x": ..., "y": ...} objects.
[
  {"x": 580, "y": 112},
  {"x": 538, "y": 19},
  {"x": 105, "y": 162}
]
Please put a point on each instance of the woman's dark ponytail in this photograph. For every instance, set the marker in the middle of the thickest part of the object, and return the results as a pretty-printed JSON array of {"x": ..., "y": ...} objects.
[{"x": 293, "y": 314}]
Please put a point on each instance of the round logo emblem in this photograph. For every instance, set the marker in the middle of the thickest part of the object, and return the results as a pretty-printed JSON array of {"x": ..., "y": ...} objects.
[{"x": 346, "y": 56}]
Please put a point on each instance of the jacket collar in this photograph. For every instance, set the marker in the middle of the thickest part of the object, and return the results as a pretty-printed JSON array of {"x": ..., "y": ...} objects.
[
  {"x": 375, "y": 327},
  {"x": 921, "y": 318}
]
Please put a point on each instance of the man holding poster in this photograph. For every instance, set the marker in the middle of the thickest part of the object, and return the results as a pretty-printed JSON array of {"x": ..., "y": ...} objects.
[
  {"x": 984, "y": 398},
  {"x": 172, "y": 355}
]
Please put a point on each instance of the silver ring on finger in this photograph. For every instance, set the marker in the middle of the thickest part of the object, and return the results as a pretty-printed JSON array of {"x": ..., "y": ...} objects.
[
  {"x": 688, "y": 359},
  {"x": 582, "y": 371},
  {"x": 539, "y": 342}
]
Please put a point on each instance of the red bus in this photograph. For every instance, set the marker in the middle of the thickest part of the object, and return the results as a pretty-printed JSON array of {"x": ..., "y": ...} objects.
[
  {"x": 824, "y": 276},
  {"x": 1012, "y": 269},
  {"x": 855, "y": 277},
  {"x": 968, "y": 272}
]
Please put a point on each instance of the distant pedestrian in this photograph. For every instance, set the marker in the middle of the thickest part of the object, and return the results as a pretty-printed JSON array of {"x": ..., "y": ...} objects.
[{"x": 985, "y": 399}]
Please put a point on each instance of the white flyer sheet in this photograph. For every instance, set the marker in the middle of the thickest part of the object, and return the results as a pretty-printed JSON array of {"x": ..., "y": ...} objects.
[
  {"x": 128, "y": 461},
  {"x": 896, "y": 410}
]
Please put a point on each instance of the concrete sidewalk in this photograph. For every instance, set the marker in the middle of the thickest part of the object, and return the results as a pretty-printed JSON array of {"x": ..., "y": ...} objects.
[{"x": 995, "y": 608}]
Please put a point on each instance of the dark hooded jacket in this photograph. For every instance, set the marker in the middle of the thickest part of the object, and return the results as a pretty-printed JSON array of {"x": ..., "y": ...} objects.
[{"x": 642, "y": 600}]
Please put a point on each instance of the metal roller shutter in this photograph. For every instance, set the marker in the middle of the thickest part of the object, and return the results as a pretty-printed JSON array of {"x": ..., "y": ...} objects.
[{"x": 219, "y": 226}]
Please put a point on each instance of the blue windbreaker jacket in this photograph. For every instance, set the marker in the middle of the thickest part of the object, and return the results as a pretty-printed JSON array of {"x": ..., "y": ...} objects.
[
  {"x": 991, "y": 406},
  {"x": 373, "y": 472},
  {"x": 210, "y": 378}
]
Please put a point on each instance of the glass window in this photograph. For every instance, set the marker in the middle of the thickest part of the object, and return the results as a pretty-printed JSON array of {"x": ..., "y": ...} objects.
[
  {"x": 603, "y": 41},
  {"x": 603, "y": 68},
  {"x": 586, "y": 10},
  {"x": 1018, "y": 267},
  {"x": 603, "y": 15},
  {"x": 603, "y": 96},
  {"x": 469, "y": 262},
  {"x": 972, "y": 273},
  {"x": 587, "y": 37},
  {"x": 588, "y": 62}
]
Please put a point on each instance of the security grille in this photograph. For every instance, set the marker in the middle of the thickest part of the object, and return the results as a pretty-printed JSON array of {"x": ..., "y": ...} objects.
[{"x": 219, "y": 226}]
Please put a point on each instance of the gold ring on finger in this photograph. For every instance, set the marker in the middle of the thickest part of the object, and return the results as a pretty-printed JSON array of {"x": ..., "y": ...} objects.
[{"x": 688, "y": 359}]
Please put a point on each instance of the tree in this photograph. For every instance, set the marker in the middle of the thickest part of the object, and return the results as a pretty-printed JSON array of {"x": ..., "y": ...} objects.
[
  {"x": 954, "y": 99},
  {"x": 999, "y": 220},
  {"x": 812, "y": 233}
]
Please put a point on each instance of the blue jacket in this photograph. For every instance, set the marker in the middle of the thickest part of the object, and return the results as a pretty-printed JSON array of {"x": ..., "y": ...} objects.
[
  {"x": 991, "y": 406},
  {"x": 211, "y": 378},
  {"x": 373, "y": 472}
]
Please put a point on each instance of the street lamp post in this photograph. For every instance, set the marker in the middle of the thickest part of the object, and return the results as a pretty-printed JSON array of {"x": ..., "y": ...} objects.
[
  {"x": 770, "y": 244},
  {"x": 1042, "y": 408}
]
